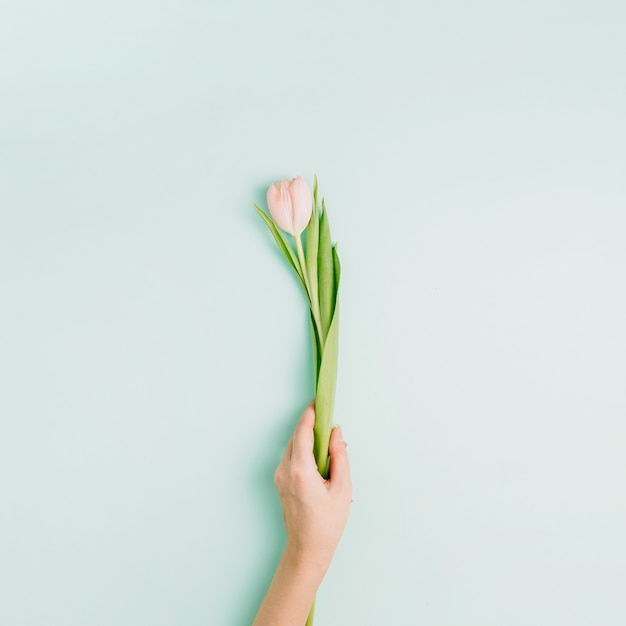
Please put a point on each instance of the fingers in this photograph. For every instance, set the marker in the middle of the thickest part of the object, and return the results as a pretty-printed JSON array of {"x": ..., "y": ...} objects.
[
  {"x": 339, "y": 464},
  {"x": 302, "y": 450}
]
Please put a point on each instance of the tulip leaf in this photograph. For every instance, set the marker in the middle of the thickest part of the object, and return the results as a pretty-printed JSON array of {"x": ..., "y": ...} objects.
[
  {"x": 326, "y": 273},
  {"x": 325, "y": 396},
  {"x": 315, "y": 190},
  {"x": 312, "y": 237},
  {"x": 316, "y": 350},
  {"x": 285, "y": 248},
  {"x": 337, "y": 274}
]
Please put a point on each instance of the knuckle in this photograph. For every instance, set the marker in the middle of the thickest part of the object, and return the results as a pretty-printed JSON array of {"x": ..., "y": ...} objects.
[
  {"x": 278, "y": 478},
  {"x": 297, "y": 474}
]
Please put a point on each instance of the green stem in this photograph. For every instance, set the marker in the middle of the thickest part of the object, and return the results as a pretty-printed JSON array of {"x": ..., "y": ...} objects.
[
  {"x": 313, "y": 299},
  {"x": 309, "y": 619}
]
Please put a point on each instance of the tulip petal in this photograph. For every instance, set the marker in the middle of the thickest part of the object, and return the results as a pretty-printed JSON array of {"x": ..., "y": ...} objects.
[
  {"x": 279, "y": 204},
  {"x": 301, "y": 203}
]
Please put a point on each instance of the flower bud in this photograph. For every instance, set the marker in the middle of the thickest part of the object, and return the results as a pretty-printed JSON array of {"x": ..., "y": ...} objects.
[{"x": 290, "y": 204}]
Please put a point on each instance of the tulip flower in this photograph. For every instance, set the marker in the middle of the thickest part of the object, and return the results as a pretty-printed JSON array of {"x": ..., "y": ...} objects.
[
  {"x": 290, "y": 205},
  {"x": 318, "y": 271}
]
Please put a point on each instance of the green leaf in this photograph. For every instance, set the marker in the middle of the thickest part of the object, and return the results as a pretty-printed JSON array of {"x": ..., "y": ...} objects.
[
  {"x": 316, "y": 351},
  {"x": 312, "y": 237},
  {"x": 325, "y": 273},
  {"x": 337, "y": 273},
  {"x": 325, "y": 396},
  {"x": 285, "y": 248}
]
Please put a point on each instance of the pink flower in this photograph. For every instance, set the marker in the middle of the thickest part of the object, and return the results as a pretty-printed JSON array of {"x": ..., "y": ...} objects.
[{"x": 290, "y": 204}]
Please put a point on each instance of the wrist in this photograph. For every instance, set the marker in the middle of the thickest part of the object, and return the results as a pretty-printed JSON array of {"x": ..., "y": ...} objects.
[{"x": 306, "y": 562}]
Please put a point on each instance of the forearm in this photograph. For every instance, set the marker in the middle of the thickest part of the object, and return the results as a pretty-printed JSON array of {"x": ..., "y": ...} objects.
[{"x": 291, "y": 592}]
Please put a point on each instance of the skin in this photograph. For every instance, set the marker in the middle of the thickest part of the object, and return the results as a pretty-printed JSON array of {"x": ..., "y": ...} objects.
[{"x": 315, "y": 512}]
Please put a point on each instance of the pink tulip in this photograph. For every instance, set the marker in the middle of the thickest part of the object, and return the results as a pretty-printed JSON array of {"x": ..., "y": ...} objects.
[{"x": 290, "y": 204}]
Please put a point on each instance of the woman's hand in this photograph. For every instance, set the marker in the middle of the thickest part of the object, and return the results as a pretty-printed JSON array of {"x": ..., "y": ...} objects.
[
  {"x": 315, "y": 513},
  {"x": 315, "y": 510}
]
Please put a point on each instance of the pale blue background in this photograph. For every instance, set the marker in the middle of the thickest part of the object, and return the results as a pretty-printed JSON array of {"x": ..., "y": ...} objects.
[{"x": 154, "y": 350}]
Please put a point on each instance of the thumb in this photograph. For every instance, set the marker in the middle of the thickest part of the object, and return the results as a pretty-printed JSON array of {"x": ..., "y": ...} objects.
[{"x": 339, "y": 464}]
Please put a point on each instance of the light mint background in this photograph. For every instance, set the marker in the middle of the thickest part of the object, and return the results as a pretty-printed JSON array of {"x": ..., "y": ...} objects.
[{"x": 154, "y": 349}]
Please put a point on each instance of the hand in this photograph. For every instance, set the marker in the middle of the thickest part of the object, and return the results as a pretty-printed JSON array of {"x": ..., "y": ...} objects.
[
  {"x": 315, "y": 510},
  {"x": 315, "y": 513}
]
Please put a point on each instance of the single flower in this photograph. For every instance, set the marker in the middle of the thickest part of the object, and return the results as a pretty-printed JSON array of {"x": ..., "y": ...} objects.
[
  {"x": 292, "y": 210},
  {"x": 290, "y": 204}
]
